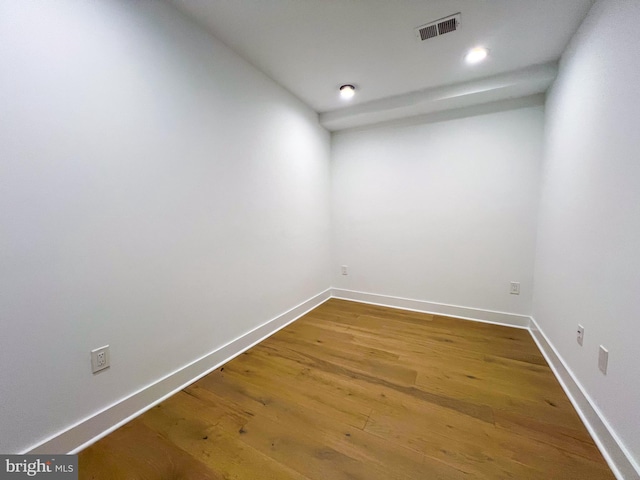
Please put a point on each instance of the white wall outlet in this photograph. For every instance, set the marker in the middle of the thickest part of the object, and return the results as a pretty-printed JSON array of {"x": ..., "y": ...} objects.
[
  {"x": 100, "y": 359},
  {"x": 515, "y": 288},
  {"x": 580, "y": 336},
  {"x": 603, "y": 359},
  {"x": 344, "y": 270}
]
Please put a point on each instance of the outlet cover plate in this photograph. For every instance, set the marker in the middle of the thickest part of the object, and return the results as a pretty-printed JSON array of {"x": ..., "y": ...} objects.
[{"x": 100, "y": 359}]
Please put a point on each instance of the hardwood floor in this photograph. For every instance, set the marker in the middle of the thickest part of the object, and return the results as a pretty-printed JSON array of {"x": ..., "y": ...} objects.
[{"x": 353, "y": 391}]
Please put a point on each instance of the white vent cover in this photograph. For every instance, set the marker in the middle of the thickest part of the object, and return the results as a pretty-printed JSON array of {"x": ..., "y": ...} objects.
[{"x": 439, "y": 27}]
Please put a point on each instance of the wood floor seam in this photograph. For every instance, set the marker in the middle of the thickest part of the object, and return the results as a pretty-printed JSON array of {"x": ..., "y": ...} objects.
[{"x": 358, "y": 391}]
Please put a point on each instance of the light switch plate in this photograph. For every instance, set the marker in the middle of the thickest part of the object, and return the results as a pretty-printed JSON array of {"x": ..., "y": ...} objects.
[{"x": 603, "y": 359}]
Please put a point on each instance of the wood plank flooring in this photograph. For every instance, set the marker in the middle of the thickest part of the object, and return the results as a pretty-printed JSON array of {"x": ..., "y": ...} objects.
[{"x": 354, "y": 391}]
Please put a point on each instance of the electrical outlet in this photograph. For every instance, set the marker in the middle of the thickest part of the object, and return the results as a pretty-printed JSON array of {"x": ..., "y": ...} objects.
[
  {"x": 344, "y": 270},
  {"x": 515, "y": 288},
  {"x": 603, "y": 359},
  {"x": 100, "y": 359},
  {"x": 580, "y": 337}
]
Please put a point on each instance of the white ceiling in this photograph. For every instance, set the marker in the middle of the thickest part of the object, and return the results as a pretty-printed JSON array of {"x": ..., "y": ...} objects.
[{"x": 311, "y": 47}]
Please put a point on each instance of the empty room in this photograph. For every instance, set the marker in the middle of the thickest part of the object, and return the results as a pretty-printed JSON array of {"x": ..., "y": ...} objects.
[{"x": 319, "y": 239}]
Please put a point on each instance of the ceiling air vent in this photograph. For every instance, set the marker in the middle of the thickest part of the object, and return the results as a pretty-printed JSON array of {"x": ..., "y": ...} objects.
[{"x": 439, "y": 27}]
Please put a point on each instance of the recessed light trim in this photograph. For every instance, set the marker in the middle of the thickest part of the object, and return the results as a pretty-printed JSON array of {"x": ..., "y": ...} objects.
[
  {"x": 476, "y": 55},
  {"x": 347, "y": 91}
]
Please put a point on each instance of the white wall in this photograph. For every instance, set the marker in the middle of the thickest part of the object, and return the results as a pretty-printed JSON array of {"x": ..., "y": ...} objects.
[
  {"x": 443, "y": 212},
  {"x": 588, "y": 256},
  {"x": 158, "y": 194}
]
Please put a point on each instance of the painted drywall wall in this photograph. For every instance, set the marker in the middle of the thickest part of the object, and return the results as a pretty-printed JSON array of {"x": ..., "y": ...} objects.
[
  {"x": 158, "y": 194},
  {"x": 443, "y": 212},
  {"x": 588, "y": 256}
]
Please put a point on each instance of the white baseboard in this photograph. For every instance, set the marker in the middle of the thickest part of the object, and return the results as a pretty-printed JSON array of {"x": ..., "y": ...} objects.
[
  {"x": 467, "y": 313},
  {"x": 91, "y": 429},
  {"x": 617, "y": 456},
  {"x": 614, "y": 452}
]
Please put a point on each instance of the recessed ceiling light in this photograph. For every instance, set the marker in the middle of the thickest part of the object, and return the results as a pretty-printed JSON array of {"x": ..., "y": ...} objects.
[
  {"x": 476, "y": 55},
  {"x": 347, "y": 91}
]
